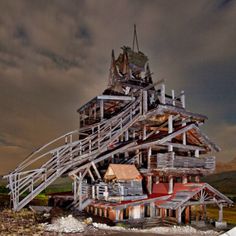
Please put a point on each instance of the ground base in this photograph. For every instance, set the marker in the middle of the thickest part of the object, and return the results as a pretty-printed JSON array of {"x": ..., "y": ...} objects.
[{"x": 221, "y": 225}]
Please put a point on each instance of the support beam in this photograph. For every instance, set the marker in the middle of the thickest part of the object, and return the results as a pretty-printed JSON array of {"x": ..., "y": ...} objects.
[
  {"x": 170, "y": 130},
  {"x": 149, "y": 184},
  {"x": 118, "y": 98},
  {"x": 220, "y": 213},
  {"x": 93, "y": 192},
  {"x": 149, "y": 158},
  {"x": 179, "y": 215},
  {"x": 182, "y": 99},
  {"x": 173, "y": 97},
  {"x": 91, "y": 175},
  {"x": 152, "y": 209},
  {"x": 144, "y": 132},
  {"x": 197, "y": 179},
  {"x": 170, "y": 124},
  {"x": 170, "y": 190},
  {"x": 126, "y": 135},
  {"x": 117, "y": 214},
  {"x": 163, "y": 94},
  {"x": 184, "y": 138},
  {"x": 96, "y": 170},
  {"x": 80, "y": 190},
  {"x": 145, "y": 102},
  {"x": 184, "y": 180},
  {"x": 101, "y": 109},
  {"x": 197, "y": 153}
]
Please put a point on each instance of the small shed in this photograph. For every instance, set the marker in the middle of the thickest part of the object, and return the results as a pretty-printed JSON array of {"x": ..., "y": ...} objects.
[
  {"x": 122, "y": 172},
  {"x": 124, "y": 180}
]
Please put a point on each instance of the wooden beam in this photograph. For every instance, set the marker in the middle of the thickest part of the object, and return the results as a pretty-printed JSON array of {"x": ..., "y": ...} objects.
[
  {"x": 145, "y": 102},
  {"x": 91, "y": 175},
  {"x": 185, "y": 147},
  {"x": 96, "y": 170},
  {"x": 182, "y": 99},
  {"x": 111, "y": 97},
  {"x": 163, "y": 94},
  {"x": 101, "y": 109}
]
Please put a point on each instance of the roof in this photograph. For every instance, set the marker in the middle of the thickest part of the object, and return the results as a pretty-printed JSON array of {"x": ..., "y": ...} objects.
[
  {"x": 122, "y": 172},
  {"x": 183, "y": 193}
]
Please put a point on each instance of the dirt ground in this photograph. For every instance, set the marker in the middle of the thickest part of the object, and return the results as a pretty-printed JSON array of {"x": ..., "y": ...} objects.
[
  {"x": 20, "y": 223},
  {"x": 27, "y": 223}
]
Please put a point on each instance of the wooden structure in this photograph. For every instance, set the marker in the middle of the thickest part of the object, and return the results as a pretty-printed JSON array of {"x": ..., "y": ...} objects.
[{"x": 134, "y": 121}]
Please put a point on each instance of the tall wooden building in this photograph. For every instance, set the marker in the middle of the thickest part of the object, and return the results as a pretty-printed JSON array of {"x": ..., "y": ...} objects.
[{"x": 138, "y": 154}]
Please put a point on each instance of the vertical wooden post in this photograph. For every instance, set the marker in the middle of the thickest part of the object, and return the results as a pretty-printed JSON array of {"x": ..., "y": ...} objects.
[
  {"x": 101, "y": 109},
  {"x": 170, "y": 124},
  {"x": 197, "y": 153},
  {"x": 182, "y": 98},
  {"x": 187, "y": 215},
  {"x": 184, "y": 180},
  {"x": 105, "y": 212},
  {"x": 220, "y": 219},
  {"x": 163, "y": 92},
  {"x": 149, "y": 184},
  {"x": 126, "y": 135},
  {"x": 184, "y": 138},
  {"x": 197, "y": 179},
  {"x": 152, "y": 209},
  {"x": 170, "y": 130},
  {"x": 134, "y": 134},
  {"x": 97, "y": 191},
  {"x": 106, "y": 193},
  {"x": 80, "y": 190},
  {"x": 145, "y": 102},
  {"x": 170, "y": 190},
  {"x": 95, "y": 111},
  {"x": 179, "y": 215},
  {"x": 149, "y": 158},
  {"x": 173, "y": 97},
  {"x": 141, "y": 158},
  {"x": 184, "y": 134},
  {"x": 75, "y": 189},
  {"x": 93, "y": 192},
  {"x": 144, "y": 132},
  {"x": 117, "y": 214}
]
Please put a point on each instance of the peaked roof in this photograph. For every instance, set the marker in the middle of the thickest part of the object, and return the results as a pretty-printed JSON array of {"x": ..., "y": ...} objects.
[
  {"x": 122, "y": 172},
  {"x": 183, "y": 193}
]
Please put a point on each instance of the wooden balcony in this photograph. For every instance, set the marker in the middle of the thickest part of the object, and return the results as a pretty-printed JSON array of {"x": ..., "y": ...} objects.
[{"x": 169, "y": 160}]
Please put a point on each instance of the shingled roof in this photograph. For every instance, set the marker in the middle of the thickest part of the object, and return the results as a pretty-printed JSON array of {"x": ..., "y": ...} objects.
[{"x": 122, "y": 172}]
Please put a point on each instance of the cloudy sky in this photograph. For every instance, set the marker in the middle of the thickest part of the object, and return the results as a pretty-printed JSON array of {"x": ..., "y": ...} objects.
[{"x": 55, "y": 55}]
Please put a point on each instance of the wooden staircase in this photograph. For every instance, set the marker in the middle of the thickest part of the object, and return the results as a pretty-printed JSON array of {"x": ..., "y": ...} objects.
[{"x": 25, "y": 184}]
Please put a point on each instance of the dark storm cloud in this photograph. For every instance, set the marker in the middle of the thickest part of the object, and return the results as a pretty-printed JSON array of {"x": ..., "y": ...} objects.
[{"x": 55, "y": 55}]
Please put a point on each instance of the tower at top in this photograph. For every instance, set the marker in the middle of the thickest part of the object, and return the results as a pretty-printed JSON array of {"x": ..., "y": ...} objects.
[{"x": 130, "y": 69}]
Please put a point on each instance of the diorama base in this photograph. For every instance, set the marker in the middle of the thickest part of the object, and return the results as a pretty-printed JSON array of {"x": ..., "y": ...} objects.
[{"x": 221, "y": 225}]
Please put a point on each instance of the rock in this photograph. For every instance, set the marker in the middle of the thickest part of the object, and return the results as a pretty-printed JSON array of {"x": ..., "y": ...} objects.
[{"x": 88, "y": 221}]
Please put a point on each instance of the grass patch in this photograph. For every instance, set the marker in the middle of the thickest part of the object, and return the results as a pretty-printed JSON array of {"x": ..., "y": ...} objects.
[{"x": 229, "y": 213}]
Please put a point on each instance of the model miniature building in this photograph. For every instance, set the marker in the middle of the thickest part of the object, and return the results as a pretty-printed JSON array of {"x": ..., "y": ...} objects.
[
  {"x": 139, "y": 153},
  {"x": 122, "y": 182}
]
